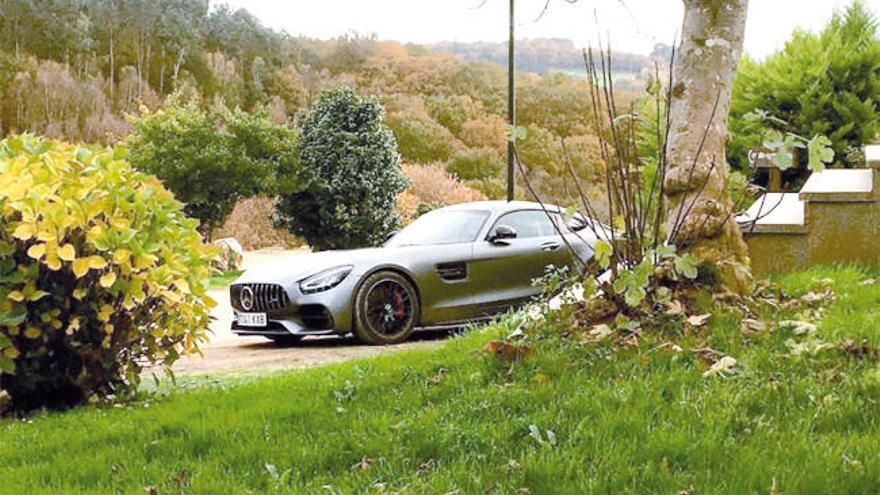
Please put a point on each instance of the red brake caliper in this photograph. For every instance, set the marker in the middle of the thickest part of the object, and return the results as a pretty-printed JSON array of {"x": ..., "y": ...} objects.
[{"x": 399, "y": 309}]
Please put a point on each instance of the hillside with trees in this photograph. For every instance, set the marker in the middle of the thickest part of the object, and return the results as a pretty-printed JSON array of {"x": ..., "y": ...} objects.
[{"x": 82, "y": 71}]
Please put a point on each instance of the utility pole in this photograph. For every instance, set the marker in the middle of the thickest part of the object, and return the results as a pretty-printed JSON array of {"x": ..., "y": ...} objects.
[{"x": 511, "y": 108}]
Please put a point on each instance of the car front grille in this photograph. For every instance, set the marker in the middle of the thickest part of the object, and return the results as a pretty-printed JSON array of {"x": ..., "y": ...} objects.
[{"x": 266, "y": 297}]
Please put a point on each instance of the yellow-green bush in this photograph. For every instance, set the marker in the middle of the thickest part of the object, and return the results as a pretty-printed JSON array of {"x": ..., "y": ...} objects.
[{"x": 100, "y": 273}]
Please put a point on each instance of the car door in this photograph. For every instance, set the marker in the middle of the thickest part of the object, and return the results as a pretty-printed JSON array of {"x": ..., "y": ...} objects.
[{"x": 503, "y": 271}]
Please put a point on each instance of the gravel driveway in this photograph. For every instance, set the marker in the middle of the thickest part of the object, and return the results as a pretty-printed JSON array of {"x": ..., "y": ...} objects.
[{"x": 228, "y": 353}]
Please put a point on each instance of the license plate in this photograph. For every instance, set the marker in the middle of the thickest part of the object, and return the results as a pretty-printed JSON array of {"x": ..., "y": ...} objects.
[{"x": 252, "y": 319}]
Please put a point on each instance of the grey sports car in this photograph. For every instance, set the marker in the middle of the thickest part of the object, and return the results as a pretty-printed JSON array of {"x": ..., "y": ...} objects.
[{"x": 451, "y": 266}]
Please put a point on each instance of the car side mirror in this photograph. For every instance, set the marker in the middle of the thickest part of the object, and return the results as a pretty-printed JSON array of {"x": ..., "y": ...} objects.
[
  {"x": 577, "y": 225},
  {"x": 501, "y": 234}
]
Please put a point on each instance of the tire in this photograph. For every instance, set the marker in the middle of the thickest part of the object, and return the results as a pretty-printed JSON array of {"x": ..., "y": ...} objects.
[
  {"x": 285, "y": 340},
  {"x": 386, "y": 309}
]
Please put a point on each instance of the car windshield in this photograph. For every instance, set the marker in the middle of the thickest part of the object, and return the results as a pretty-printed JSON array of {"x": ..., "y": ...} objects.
[{"x": 441, "y": 227}]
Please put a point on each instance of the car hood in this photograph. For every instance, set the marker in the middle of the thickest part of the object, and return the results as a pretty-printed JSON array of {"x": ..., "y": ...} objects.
[{"x": 299, "y": 266}]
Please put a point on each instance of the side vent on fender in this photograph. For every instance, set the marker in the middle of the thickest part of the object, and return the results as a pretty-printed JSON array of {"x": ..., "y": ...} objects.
[{"x": 451, "y": 272}]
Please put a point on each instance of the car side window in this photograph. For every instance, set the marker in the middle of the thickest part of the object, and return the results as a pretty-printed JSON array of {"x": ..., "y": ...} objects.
[{"x": 528, "y": 223}]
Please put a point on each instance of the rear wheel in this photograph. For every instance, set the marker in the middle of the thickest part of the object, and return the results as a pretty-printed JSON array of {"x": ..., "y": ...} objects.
[
  {"x": 386, "y": 309},
  {"x": 285, "y": 340}
]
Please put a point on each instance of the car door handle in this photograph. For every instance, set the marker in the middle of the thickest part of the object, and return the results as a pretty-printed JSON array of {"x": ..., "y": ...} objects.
[{"x": 550, "y": 246}]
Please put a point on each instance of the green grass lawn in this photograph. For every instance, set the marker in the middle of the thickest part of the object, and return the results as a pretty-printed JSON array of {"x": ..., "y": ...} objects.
[{"x": 571, "y": 419}]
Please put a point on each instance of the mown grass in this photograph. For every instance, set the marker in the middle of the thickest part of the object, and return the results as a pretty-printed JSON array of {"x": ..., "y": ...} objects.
[{"x": 571, "y": 419}]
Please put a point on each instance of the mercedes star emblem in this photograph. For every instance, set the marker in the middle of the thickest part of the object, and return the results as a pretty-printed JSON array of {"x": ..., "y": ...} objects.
[{"x": 246, "y": 298}]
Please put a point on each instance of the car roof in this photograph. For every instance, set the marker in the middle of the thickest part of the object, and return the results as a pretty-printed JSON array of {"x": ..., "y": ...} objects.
[{"x": 501, "y": 206}]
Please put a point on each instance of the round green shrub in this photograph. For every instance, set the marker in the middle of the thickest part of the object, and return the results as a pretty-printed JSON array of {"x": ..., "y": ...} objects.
[
  {"x": 101, "y": 273},
  {"x": 350, "y": 174},
  {"x": 213, "y": 158}
]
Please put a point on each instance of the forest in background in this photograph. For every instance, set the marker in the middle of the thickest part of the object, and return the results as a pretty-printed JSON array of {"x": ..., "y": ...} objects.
[
  {"x": 81, "y": 70},
  {"x": 77, "y": 70}
]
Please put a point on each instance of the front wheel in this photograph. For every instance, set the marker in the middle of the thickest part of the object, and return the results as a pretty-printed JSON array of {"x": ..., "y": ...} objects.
[{"x": 386, "y": 309}]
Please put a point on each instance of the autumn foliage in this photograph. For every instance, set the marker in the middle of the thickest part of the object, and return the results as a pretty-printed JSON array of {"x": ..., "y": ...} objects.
[
  {"x": 431, "y": 187},
  {"x": 102, "y": 273}
]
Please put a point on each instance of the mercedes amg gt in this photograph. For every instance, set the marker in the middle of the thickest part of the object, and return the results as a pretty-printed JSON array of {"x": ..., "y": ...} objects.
[{"x": 451, "y": 266}]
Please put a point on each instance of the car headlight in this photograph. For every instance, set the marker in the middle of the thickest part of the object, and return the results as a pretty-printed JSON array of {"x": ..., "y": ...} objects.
[{"x": 325, "y": 280}]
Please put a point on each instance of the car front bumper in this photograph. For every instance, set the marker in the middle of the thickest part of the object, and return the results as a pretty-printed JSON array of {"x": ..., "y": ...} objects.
[{"x": 322, "y": 313}]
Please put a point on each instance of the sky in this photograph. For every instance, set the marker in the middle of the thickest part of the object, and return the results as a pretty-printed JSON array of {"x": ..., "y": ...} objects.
[{"x": 633, "y": 25}]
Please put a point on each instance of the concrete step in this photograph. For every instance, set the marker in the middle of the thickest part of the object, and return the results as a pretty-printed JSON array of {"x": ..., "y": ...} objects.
[
  {"x": 836, "y": 214},
  {"x": 839, "y": 185},
  {"x": 774, "y": 213}
]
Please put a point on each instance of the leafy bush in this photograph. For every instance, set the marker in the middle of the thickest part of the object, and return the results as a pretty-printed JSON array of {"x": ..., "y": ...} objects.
[
  {"x": 819, "y": 84},
  {"x": 101, "y": 270},
  {"x": 252, "y": 224},
  {"x": 431, "y": 187},
  {"x": 212, "y": 159},
  {"x": 350, "y": 174}
]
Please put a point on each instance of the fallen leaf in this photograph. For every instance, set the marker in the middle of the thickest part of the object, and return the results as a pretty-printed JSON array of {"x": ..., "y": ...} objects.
[
  {"x": 364, "y": 464},
  {"x": 726, "y": 296},
  {"x": 435, "y": 380},
  {"x": 180, "y": 479},
  {"x": 599, "y": 332},
  {"x": 706, "y": 353},
  {"x": 674, "y": 308},
  {"x": 814, "y": 297},
  {"x": 671, "y": 346},
  {"x": 630, "y": 340},
  {"x": 751, "y": 325},
  {"x": 811, "y": 346},
  {"x": 868, "y": 281},
  {"x": 698, "y": 320},
  {"x": 508, "y": 352},
  {"x": 798, "y": 327},
  {"x": 857, "y": 350},
  {"x": 428, "y": 465},
  {"x": 721, "y": 367}
]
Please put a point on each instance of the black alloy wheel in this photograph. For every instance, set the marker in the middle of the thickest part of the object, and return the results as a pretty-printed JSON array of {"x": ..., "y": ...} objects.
[{"x": 386, "y": 309}]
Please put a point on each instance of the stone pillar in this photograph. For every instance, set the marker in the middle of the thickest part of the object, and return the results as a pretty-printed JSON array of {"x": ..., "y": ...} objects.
[{"x": 872, "y": 161}]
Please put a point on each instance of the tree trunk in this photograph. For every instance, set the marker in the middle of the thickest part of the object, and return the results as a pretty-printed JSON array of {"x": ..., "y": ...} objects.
[
  {"x": 700, "y": 209},
  {"x": 180, "y": 58},
  {"x": 112, "y": 71}
]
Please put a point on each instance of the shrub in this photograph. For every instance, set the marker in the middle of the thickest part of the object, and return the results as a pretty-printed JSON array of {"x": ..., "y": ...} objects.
[
  {"x": 252, "y": 224},
  {"x": 211, "y": 159},
  {"x": 819, "y": 84},
  {"x": 101, "y": 273},
  {"x": 350, "y": 174},
  {"x": 431, "y": 187}
]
